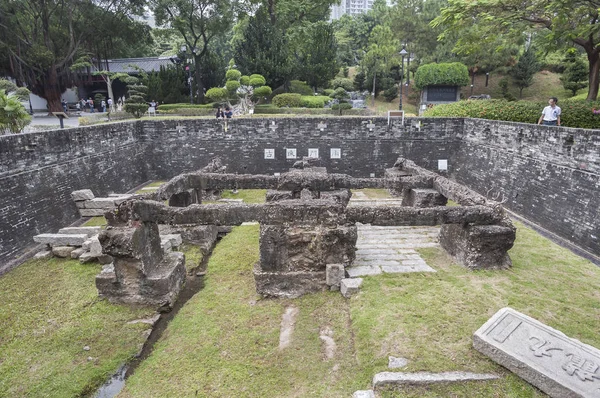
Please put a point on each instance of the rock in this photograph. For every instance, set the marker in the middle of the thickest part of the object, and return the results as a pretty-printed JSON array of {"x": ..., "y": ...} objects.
[
  {"x": 395, "y": 363},
  {"x": 423, "y": 197},
  {"x": 334, "y": 273},
  {"x": 350, "y": 286},
  {"x": 174, "y": 239},
  {"x": 92, "y": 212},
  {"x": 87, "y": 257},
  {"x": 43, "y": 254},
  {"x": 424, "y": 378},
  {"x": 62, "y": 251},
  {"x": 101, "y": 203},
  {"x": 545, "y": 357},
  {"x": 364, "y": 394},
  {"x": 61, "y": 239},
  {"x": 77, "y": 252},
  {"x": 288, "y": 320},
  {"x": 89, "y": 231},
  {"x": 105, "y": 259},
  {"x": 95, "y": 248},
  {"x": 86, "y": 348},
  {"x": 83, "y": 194}
]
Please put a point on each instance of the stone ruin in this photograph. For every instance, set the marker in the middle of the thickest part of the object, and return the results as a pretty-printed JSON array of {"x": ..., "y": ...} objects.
[{"x": 307, "y": 232}]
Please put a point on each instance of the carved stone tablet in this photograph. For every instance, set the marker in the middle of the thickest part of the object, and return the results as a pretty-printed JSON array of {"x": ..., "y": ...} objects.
[{"x": 556, "y": 364}]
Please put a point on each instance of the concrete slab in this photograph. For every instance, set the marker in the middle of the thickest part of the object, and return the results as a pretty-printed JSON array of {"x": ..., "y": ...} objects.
[
  {"x": 82, "y": 194},
  {"x": 395, "y": 363},
  {"x": 100, "y": 203},
  {"x": 354, "y": 272},
  {"x": 91, "y": 212},
  {"x": 89, "y": 231},
  {"x": 423, "y": 378},
  {"x": 364, "y": 394},
  {"x": 350, "y": 286},
  {"x": 61, "y": 239},
  {"x": 403, "y": 269},
  {"x": 545, "y": 357}
]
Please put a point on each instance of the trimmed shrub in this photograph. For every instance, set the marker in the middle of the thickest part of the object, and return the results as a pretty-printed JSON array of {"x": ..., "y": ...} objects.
[
  {"x": 299, "y": 87},
  {"x": 217, "y": 94},
  {"x": 232, "y": 85},
  {"x": 257, "y": 81},
  {"x": 342, "y": 82},
  {"x": 290, "y": 100},
  {"x": 343, "y": 106},
  {"x": 233, "y": 74},
  {"x": 575, "y": 113},
  {"x": 168, "y": 107},
  {"x": 314, "y": 101},
  {"x": 263, "y": 91},
  {"x": 446, "y": 74},
  {"x": 259, "y": 110},
  {"x": 328, "y": 91},
  {"x": 245, "y": 80}
]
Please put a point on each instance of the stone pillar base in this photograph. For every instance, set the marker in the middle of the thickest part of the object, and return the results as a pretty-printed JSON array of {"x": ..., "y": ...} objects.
[
  {"x": 423, "y": 198},
  {"x": 478, "y": 246},
  {"x": 288, "y": 284}
]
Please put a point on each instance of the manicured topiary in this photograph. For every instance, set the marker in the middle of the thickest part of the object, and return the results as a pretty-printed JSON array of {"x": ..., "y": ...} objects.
[
  {"x": 136, "y": 103},
  {"x": 445, "y": 74},
  {"x": 290, "y": 100}
]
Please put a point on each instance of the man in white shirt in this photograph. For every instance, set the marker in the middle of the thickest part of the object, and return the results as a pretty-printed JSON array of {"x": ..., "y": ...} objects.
[{"x": 551, "y": 113}]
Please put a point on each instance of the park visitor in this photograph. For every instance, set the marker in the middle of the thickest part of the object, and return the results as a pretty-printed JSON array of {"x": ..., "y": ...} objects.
[
  {"x": 220, "y": 114},
  {"x": 551, "y": 113}
]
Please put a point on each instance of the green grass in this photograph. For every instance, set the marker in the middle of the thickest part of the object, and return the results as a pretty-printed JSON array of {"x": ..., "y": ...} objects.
[
  {"x": 374, "y": 193},
  {"x": 224, "y": 341},
  {"x": 193, "y": 256},
  {"x": 98, "y": 221},
  {"x": 49, "y": 311},
  {"x": 247, "y": 195}
]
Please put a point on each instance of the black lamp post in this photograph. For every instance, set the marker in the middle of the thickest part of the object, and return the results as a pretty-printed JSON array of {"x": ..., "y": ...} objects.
[
  {"x": 188, "y": 67},
  {"x": 487, "y": 78},
  {"x": 403, "y": 53}
]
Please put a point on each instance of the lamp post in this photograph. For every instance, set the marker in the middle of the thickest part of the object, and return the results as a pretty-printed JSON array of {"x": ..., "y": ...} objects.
[
  {"x": 403, "y": 53},
  {"x": 487, "y": 78},
  {"x": 188, "y": 68}
]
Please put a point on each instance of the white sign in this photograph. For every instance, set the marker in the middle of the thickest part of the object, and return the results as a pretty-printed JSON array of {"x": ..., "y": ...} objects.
[
  {"x": 442, "y": 164},
  {"x": 335, "y": 153},
  {"x": 313, "y": 152},
  {"x": 270, "y": 153},
  {"x": 290, "y": 153}
]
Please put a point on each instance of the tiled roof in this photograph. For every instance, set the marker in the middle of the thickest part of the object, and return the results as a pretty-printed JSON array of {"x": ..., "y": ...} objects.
[{"x": 148, "y": 64}]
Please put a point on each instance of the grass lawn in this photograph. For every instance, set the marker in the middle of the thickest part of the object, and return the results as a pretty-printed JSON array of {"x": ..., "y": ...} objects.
[
  {"x": 247, "y": 195},
  {"x": 49, "y": 311},
  {"x": 224, "y": 341},
  {"x": 374, "y": 193},
  {"x": 98, "y": 221}
]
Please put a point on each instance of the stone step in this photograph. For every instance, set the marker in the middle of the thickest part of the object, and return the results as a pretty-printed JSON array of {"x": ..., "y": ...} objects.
[
  {"x": 383, "y": 257},
  {"x": 368, "y": 263},
  {"x": 403, "y": 269},
  {"x": 386, "y": 379},
  {"x": 393, "y": 242},
  {"x": 89, "y": 231},
  {"x": 354, "y": 272},
  {"x": 383, "y": 251},
  {"x": 406, "y": 245},
  {"x": 61, "y": 239}
]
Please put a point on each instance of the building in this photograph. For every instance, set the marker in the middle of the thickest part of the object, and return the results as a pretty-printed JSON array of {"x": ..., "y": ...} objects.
[{"x": 352, "y": 7}]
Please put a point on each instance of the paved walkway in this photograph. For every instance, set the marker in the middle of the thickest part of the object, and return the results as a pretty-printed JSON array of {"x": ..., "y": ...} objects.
[{"x": 389, "y": 249}]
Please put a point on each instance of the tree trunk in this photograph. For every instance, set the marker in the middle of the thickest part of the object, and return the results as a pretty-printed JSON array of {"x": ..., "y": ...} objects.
[
  {"x": 198, "y": 77},
  {"x": 110, "y": 93},
  {"x": 52, "y": 91},
  {"x": 594, "y": 79},
  {"x": 373, "y": 93}
]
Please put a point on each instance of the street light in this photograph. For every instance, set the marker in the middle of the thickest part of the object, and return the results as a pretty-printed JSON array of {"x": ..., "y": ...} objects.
[
  {"x": 188, "y": 67},
  {"x": 403, "y": 53}
]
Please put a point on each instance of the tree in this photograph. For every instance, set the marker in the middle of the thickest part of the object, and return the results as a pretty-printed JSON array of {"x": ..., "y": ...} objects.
[
  {"x": 200, "y": 22},
  {"x": 248, "y": 89},
  {"x": 522, "y": 73},
  {"x": 42, "y": 39},
  {"x": 136, "y": 103},
  {"x": 381, "y": 55},
  {"x": 318, "y": 56},
  {"x": 575, "y": 75},
  {"x": 13, "y": 116},
  {"x": 563, "y": 20},
  {"x": 109, "y": 78}
]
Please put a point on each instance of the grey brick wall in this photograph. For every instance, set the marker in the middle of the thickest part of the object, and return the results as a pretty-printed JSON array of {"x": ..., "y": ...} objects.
[{"x": 549, "y": 175}]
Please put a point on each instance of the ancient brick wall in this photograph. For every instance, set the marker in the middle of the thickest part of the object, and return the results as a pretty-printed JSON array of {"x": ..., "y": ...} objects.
[
  {"x": 39, "y": 171},
  {"x": 367, "y": 145},
  {"x": 551, "y": 176}
]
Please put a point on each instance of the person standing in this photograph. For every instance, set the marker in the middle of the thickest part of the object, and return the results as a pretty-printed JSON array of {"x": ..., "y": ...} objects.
[
  {"x": 220, "y": 114},
  {"x": 551, "y": 113},
  {"x": 91, "y": 104},
  {"x": 109, "y": 102},
  {"x": 103, "y": 106},
  {"x": 64, "y": 104}
]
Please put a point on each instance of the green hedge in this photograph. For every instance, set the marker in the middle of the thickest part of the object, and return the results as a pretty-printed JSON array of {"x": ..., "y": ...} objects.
[
  {"x": 310, "y": 111},
  {"x": 314, "y": 101},
  {"x": 189, "y": 112},
  {"x": 575, "y": 113},
  {"x": 168, "y": 107},
  {"x": 287, "y": 100},
  {"x": 446, "y": 74}
]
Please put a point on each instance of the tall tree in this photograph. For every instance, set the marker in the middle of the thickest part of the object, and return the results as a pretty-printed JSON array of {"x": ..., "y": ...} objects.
[
  {"x": 43, "y": 39},
  {"x": 577, "y": 21},
  {"x": 318, "y": 56},
  {"x": 200, "y": 22},
  {"x": 575, "y": 75},
  {"x": 522, "y": 73}
]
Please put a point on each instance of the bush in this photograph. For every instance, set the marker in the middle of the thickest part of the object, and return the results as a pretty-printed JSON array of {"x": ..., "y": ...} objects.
[
  {"x": 217, "y": 94},
  {"x": 257, "y": 81},
  {"x": 290, "y": 100},
  {"x": 314, "y": 101},
  {"x": 232, "y": 85},
  {"x": 328, "y": 92},
  {"x": 260, "y": 110},
  {"x": 168, "y": 107},
  {"x": 391, "y": 93},
  {"x": 263, "y": 91},
  {"x": 575, "y": 113},
  {"x": 342, "y": 82},
  {"x": 446, "y": 74},
  {"x": 343, "y": 106},
  {"x": 233, "y": 74},
  {"x": 298, "y": 87}
]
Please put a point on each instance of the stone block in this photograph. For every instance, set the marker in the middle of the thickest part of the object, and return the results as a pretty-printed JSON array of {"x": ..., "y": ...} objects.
[
  {"x": 100, "y": 203},
  {"x": 363, "y": 270},
  {"x": 305, "y": 247},
  {"x": 204, "y": 236},
  {"x": 545, "y": 357},
  {"x": 120, "y": 198},
  {"x": 83, "y": 194},
  {"x": 350, "y": 286},
  {"x": 91, "y": 212},
  {"x": 334, "y": 273},
  {"x": 43, "y": 254},
  {"x": 173, "y": 239},
  {"x": 288, "y": 284},
  {"x": 77, "y": 252},
  {"x": 95, "y": 248},
  {"x": 89, "y": 231},
  {"x": 87, "y": 257},
  {"x": 395, "y": 363},
  {"x": 387, "y": 379},
  {"x": 274, "y": 196},
  {"x": 479, "y": 246},
  {"x": 61, "y": 239},
  {"x": 364, "y": 394},
  {"x": 62, "y": 251},
  {"x": 422, "y": 197}
]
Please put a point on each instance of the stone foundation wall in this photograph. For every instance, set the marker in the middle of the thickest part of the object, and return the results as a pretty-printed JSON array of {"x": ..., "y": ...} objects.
[
  {"x": 550, "y": 176},
  {"x": 36, "y": 181}
]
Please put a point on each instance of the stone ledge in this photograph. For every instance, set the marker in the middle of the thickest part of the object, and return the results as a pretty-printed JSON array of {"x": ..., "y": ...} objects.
[{"x": 423, "y": 378}]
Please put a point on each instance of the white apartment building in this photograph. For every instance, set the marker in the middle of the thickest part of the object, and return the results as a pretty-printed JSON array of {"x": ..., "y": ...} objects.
[{"x": 352, "y": 7}]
